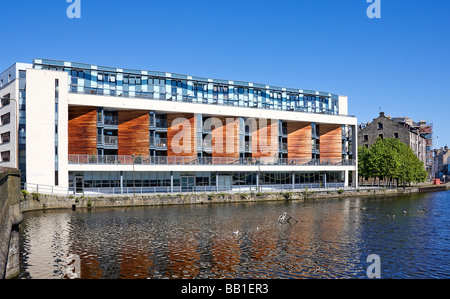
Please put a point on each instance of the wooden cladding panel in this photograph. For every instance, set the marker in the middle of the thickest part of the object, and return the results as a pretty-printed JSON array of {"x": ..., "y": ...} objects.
[
  {"x": 330, "y": 142},
  {"x": 265, "y": 139},
  {"x": 225, "y": 137},
  {"x": 133, "y": 132},
  {"x": 82, "y": 131},
  {"x": 299, "y": 140},
  {"x": 181, "y": 135}
]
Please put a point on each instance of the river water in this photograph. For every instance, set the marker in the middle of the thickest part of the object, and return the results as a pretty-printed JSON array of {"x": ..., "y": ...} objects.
[{"x": 333, "y": 238}]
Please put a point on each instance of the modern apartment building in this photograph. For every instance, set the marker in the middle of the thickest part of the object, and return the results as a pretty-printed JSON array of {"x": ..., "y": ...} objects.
[{"x": 79, "y": 127}]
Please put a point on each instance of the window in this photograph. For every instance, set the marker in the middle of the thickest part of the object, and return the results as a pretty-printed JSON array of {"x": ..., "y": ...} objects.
[
  {"x": 366, "y": 138},
  {"x": 380, "y": 136},
  {"x": 380, "y": 126},
  {"x": 5, "y": 137},
  {"x": 5, "y": 156},
  {"x": 395, "y": 135},
  {"x": 77, "y": 73},
  {"x": 6, "y": 100},
  {"x": 5, "y": 119}
]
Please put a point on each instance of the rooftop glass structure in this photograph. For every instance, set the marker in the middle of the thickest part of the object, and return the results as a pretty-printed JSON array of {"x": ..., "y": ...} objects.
[{"x": 110, "y": 81}]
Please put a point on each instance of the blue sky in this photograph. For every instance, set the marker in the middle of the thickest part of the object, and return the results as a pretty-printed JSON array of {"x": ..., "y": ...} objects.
[{"x": 399, "y": 63}]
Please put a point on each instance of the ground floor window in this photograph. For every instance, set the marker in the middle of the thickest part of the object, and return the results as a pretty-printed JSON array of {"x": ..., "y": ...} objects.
[{"x": 202, "y": 181}]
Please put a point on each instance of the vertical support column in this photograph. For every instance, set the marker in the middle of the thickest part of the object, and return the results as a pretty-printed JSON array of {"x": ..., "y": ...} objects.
[
  {"x": 121, "y": 182},
  {"x": 293, "y": 180},
  {"x": 355, "y": 156},
  {"x": 257, "y": 181},
  {"x": 346, "y": 178},
  {"x": 171, "y": 181},
  {"x": 217, "y": 181}
]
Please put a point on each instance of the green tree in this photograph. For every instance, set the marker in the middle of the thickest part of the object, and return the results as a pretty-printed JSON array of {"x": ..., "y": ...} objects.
[{"x": 392, "y": 160}]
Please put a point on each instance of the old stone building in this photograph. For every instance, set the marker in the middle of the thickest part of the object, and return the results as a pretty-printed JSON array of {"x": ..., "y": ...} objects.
[
  {"x": 441, "y": 162},
  {"x": 385, "y": 127}
]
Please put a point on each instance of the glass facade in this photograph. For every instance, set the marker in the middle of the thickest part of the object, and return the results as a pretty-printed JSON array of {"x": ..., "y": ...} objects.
[
  {"x": 204, "y": 181},
  {"x": 22, "y": 124},
  {"x": 89, "y": 79}
]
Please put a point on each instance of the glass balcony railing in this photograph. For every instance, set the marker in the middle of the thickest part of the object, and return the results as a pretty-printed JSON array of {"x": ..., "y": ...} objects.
[
  {"x": 111, "y": 140},
  {"x": 251, "y": 103},
  {"x": 165, "y": 160},
  {"x": 158, "y": 143},
  {"x": 110, "y": 120},
  {"x": 282, "y": 147},
  {"x": 108, "y": 140},
  {"x": 282, "y": 131},
  {"x": 161, "y": 142},
  {"x": 161, "y": 123}
]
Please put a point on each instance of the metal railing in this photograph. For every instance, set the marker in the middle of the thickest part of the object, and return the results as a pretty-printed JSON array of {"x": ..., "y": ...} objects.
[
  {"x": 192, "y": 99},
  {"x": 319, "y": 187},
  {"x": 110, "y": 120},
  {"x": 111, "y": 140},
  {"x": 163, "y": 160},
  {"x": 108, "y": 140},
  {"x": 283, "y": 147}
]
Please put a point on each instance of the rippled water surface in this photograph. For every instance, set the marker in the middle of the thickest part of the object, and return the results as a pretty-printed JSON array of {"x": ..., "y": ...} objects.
[{"x": 332, "y": 240}]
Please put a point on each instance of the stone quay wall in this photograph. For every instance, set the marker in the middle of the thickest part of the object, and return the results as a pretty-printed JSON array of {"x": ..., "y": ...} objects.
[{"x": 10, "y": 219}]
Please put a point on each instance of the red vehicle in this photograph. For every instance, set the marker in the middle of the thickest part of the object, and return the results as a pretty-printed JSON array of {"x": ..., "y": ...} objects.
[{"x": 437, "y": 182}]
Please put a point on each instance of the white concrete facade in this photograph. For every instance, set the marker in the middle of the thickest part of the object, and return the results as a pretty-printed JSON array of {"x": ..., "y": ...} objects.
[
  {"x": 9, "y": 86},
  {"x": 41, "y": 138},
  {"x": 180, "y": 107}
]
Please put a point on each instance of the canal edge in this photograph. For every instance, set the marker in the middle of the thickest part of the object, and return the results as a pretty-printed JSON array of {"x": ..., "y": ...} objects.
[{"x": 36, "y": 202}]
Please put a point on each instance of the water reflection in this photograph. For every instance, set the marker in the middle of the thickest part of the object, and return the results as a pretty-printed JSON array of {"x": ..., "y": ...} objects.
[{"x": 332, "y": 240}]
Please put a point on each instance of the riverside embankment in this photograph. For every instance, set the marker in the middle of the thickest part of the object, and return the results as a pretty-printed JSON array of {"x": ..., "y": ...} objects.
[{"x": 36, "y": 201}]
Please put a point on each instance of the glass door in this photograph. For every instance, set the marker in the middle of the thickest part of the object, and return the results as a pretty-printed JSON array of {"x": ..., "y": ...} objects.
[
  {"x": 187, "y": 184},
  {"x": 79, "y": 184}
]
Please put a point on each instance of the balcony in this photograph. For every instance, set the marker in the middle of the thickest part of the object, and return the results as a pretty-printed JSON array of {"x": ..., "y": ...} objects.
[
  {"x": 315, "y": 148},
  {"x": 193, "y": 99},
  {"x": 110, "y": 121},
  {"x": 158, "y": 143},
  {"x": 161, "y": 143},
  {"x": 163, "y": 160},
  {"x": 282, "y": 147},
  {"x": 248, "y": 146},
  {"x": 108, "y": 141},
  {"x": 282, "y": 131},
  {"x": 159, "y": 124},
  {"x": 207, "y": 146}
]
